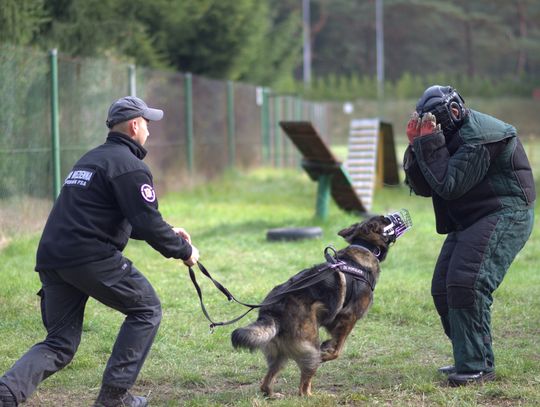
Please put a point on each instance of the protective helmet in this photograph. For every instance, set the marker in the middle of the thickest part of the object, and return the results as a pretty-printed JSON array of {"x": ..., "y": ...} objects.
[{"x": 440, "y": 100}]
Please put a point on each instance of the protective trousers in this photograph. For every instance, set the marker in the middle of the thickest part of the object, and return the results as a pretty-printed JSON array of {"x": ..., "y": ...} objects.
[
  {"x": 64, "y": 294},
  {"x": 471, "y": 265}
]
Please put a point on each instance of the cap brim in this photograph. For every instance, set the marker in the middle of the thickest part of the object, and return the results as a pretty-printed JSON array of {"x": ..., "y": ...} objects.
[{"x": 153, "y": 114}]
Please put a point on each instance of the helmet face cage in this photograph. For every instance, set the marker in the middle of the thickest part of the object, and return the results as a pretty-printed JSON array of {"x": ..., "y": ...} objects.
[
  {"x": 445, "y": 118},
  {"x": 440, "y": 100},
  {"x": 400, "y": 222}
]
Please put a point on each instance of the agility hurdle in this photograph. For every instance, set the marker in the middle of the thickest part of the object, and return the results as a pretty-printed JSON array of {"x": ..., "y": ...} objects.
[
  {"x": 371, "y": 160},
  {"x": 323, "y": 167},
  {"x": 371, "y": 163}
]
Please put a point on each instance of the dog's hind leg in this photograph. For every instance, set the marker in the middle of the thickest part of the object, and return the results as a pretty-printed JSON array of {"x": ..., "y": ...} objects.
[
  {"x": 308, "y": 362},
  {"x": 276, "y": 361},
  {"x": 305, "y": 382}
]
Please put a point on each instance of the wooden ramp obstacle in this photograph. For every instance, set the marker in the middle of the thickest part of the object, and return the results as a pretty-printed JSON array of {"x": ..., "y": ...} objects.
[
  {"x": 371, "y": 161},
  {"x": 323, "y": 167}
]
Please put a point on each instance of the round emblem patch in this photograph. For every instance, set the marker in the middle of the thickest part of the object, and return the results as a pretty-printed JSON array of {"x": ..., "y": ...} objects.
[{"x": 148, "y": 193}]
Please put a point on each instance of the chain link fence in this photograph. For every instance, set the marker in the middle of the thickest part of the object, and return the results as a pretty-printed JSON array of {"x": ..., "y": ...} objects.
[
  {"x": 25, "y": 148},
  {"x": 209, "y": 126}
]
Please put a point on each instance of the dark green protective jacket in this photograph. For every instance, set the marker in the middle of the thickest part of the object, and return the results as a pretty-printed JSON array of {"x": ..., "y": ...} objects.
[{"x": 477, "y": 171}]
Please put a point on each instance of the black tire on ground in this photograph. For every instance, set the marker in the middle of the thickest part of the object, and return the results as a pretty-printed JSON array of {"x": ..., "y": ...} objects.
[{"x": 310, "y": 232}]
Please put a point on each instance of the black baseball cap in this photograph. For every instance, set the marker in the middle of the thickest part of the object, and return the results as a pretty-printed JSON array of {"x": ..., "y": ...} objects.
[{"x": 130, "y": 107}]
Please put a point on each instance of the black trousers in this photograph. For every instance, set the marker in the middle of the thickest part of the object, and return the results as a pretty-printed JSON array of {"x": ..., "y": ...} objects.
[
  {"x": 470, "y": 267},
  {"x": 64, "y": 294}
]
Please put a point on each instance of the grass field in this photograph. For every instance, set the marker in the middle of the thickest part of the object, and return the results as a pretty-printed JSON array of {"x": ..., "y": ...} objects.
[{"x": 390, "y": 358}]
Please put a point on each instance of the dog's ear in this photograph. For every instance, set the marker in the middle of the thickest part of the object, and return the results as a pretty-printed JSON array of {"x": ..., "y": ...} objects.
[
  {"x": 354, "y": 231},
  {"x": 370, "y": 229},
  {"x": 349, "y": 232}
]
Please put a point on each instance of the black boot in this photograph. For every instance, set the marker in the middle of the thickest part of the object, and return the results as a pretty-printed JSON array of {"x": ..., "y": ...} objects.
[
  {"x": 118, "y": 397},
  {"x": 7, "y": 399},
  {"x": 464, "y": 379},
  {"x": 447, "y": 370}
]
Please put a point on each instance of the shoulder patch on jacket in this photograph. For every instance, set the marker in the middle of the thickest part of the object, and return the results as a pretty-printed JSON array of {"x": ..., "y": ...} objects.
[{"x": 148, "y": 193}]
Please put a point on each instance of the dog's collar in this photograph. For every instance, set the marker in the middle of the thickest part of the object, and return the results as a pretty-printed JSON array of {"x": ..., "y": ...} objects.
[{"x": 376, "y": 251}]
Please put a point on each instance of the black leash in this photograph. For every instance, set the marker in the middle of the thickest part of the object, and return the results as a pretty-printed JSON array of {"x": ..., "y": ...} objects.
[
  {"x": 302, "y": 283},
  {"x": 225, "y": 292}
]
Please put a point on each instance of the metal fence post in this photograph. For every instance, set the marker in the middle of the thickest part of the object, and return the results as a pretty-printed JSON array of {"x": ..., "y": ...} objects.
[
  {"x": 132, "y": 80},
  {"x": 55, "y": 132},
  {"x": 298, "y": 116},
  {"x": 265, "y": 124},
  {"x": 188, "y": 93},
  {"x": 298, "y": 108},
  {"x": 277, "y": 138},
  {"x": 286, "y": 142},
  {"x": 231, "y": 124}
]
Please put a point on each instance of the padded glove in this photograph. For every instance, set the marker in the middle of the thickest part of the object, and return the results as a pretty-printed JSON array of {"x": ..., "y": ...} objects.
[
  {"x": 413, "y": 127},
  {"x": 429, "y": 125}
]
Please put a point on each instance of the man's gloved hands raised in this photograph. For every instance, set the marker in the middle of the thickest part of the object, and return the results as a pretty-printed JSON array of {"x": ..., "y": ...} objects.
[
  {"x": 425, "y": 126},
  {"x": 413, "y": 127},
  {"x": 429, "y": 125}
]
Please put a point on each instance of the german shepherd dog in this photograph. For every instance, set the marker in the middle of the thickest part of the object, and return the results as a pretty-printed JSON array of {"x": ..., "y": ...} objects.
[{"x": 289, "y": 328}]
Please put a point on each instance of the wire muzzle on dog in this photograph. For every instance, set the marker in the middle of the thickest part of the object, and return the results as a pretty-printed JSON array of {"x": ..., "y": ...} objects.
[{"x": 400, "y": 222}]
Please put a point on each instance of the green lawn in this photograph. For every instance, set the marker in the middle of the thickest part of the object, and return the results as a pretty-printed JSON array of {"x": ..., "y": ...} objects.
[{"x": 390, "y": 358}]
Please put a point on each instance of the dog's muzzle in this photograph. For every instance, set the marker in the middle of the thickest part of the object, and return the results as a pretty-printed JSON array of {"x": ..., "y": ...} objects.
[{"x": 400, "y": 222}]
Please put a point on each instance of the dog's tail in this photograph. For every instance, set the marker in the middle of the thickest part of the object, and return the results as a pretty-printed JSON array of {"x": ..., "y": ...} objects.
[{"x": 256, "y": 334}]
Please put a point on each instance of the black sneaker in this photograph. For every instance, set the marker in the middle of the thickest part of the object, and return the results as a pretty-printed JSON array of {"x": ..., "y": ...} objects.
[
  {"x": 447, "y": 370},
  {"x": 6, "y": 397},
  {"x": 118, "y": 397},
  {"x": 464, "y": 379}
]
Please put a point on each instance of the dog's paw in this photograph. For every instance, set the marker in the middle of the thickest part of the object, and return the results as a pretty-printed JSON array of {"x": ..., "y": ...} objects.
[
  {"x": 327, "y": 347},
  {"x": 330, "y": 355},
  {"x": 274, "y": 396},
  {"x": 328, "y": 351},
  {"x": 326, "y": 356}
]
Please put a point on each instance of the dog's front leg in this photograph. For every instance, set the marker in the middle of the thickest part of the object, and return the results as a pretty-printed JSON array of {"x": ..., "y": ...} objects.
[{"x": 339, "y": 330}]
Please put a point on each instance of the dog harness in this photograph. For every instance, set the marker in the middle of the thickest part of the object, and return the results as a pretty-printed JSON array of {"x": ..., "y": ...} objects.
[
  {"x": 350, "y": 267},
  {"x": 333, "y": 263}
]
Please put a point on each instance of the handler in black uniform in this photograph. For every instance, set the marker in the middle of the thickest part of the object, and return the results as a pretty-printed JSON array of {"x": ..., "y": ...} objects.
[
  {"x": 107, "y": 198},
  {"x": 475, "y": 169}
]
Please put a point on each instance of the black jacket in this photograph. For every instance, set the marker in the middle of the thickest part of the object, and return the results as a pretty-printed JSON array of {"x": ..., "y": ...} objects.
[
  {"x": 107, "y": 198},
  {"x": 475, "y": 172}
]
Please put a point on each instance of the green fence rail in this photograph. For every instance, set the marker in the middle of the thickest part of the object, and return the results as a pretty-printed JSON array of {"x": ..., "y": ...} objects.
[
  {"x": 54, "y": 107},
  {"x": 209, "y": 125}
]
